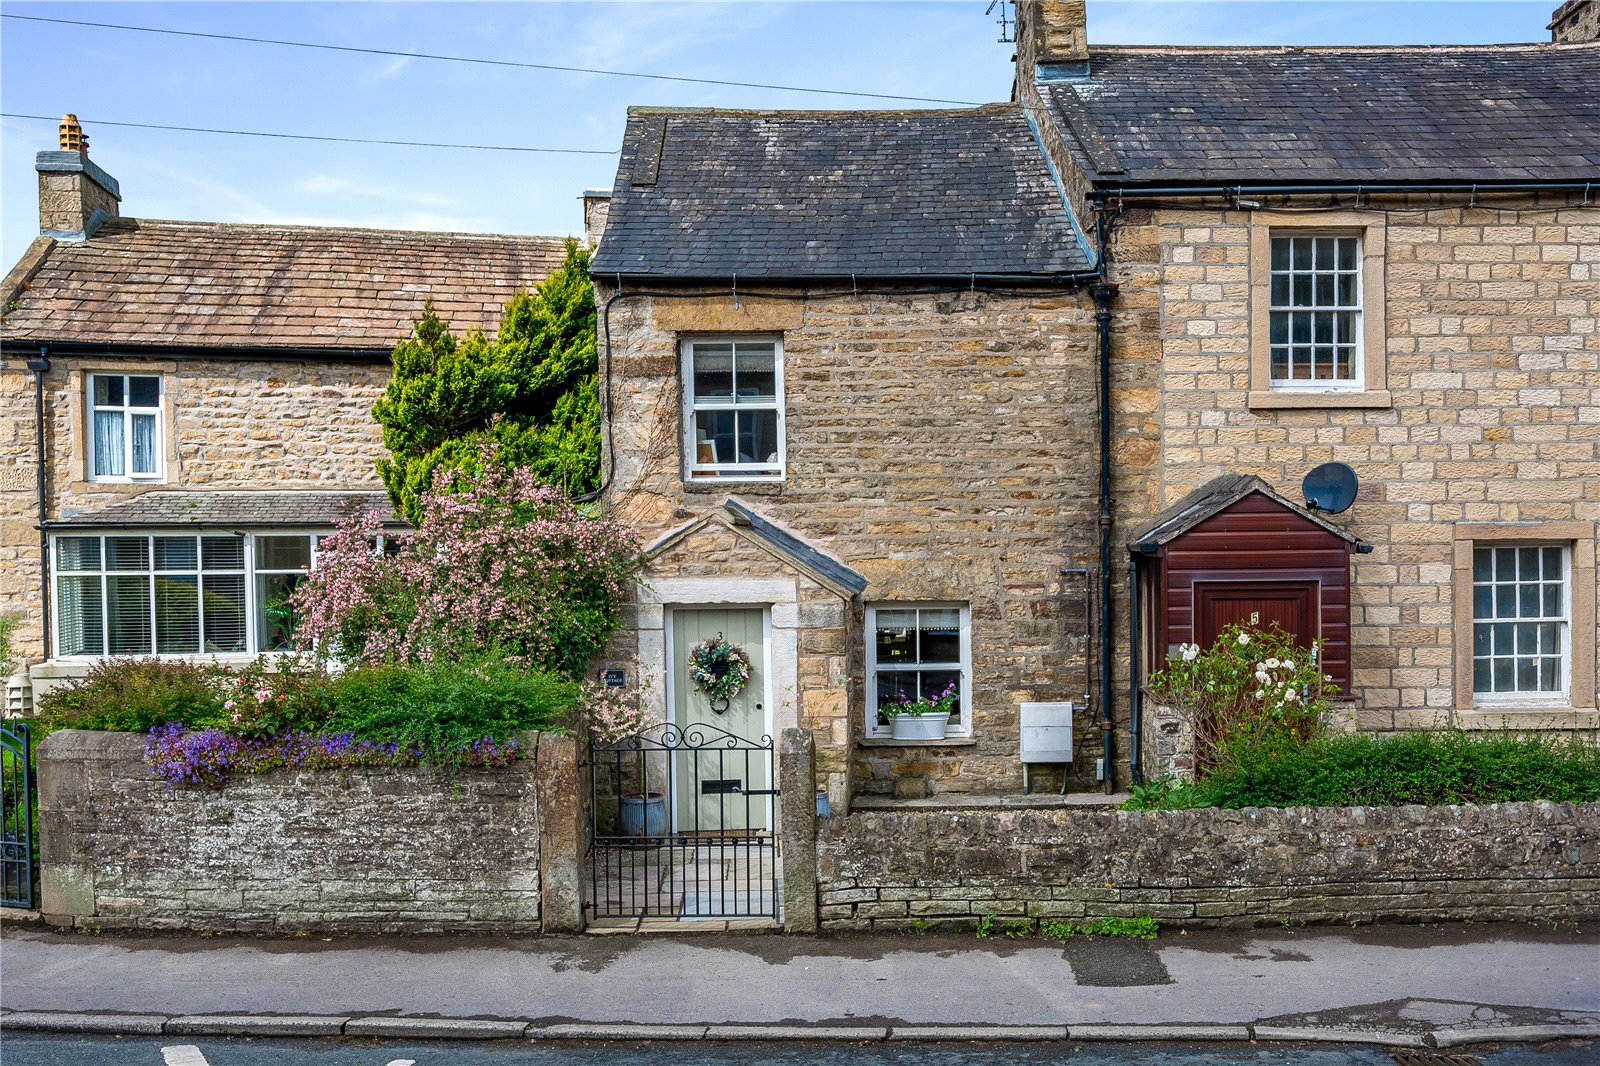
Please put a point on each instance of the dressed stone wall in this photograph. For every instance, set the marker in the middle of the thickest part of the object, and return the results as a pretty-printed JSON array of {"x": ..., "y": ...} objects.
[
  {"x": 394, "y": 850},
  {"x": 944, "y": 867}
]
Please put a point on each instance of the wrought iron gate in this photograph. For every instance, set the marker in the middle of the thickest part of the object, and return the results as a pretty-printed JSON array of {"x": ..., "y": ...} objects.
[
  {"x": 685, "y": 826},
  {"x": 17, "y": 860}
]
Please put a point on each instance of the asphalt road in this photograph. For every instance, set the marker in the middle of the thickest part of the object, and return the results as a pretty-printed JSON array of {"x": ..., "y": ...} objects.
[{"x": 28, "y": 1049}]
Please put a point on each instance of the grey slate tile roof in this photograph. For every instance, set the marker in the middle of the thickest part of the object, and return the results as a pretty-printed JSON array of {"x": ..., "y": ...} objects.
[
  {"x": 163, "y": 508},
  {"x": 1478, "y": 113},
  {"x": 808, "y": 556},
  {"x": 1212, "y": 498},
  {"x": 211, "y": 284},
  {"x": 877, "y": 194}
]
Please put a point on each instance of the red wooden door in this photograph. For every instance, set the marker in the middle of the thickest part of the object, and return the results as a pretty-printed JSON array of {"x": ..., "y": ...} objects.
[{"x": 1292, "y": 605}]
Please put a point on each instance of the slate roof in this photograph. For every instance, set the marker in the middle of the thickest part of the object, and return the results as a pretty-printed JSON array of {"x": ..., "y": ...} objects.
[
  {"x": 1225, "y": 115},
  {"x": 209, "y": 284},
  {"x": 1211, "y": 499},
  {"x": 795, "y": 194},
  {"x": 162, "y": 508}
]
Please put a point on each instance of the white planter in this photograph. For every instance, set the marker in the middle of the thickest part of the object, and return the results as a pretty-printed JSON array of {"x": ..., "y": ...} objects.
[{"x": 919, "y": 727}]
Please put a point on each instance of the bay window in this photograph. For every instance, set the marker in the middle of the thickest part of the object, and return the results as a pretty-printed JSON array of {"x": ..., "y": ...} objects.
[{"x": 176, "y": 594}]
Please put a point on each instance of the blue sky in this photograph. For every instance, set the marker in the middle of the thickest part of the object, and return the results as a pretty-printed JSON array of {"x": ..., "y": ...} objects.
[{"x": 944, "y": 50}]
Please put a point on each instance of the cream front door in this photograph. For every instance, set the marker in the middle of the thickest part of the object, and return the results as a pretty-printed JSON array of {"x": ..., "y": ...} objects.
[{"x": 722, "y": 774}]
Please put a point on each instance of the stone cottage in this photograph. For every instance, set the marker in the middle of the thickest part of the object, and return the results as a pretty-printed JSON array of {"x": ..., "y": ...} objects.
[
  {"x": 1386, "y": 258},
  {"x": 185, "y": 406},
  {"x": 849, "y": 362},
  {"x": 854, "y": 360}
]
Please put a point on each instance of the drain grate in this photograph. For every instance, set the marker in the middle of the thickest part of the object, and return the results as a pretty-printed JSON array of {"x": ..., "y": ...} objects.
[{"x": 1414, "y": 1057}]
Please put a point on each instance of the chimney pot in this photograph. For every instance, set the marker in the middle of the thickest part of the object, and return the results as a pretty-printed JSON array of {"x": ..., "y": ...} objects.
[{"x": 73, "y": 139}]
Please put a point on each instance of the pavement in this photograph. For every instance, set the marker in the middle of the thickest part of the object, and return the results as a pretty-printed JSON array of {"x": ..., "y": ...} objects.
[{"x": 1425, "y": 986}]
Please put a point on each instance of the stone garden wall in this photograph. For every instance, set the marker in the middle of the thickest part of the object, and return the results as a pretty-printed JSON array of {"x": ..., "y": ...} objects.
[
  {"x": 946, "y": 867},
  {"x": 392, "y": 850}
]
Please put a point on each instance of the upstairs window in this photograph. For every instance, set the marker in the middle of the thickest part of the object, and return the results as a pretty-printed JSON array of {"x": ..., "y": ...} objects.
[
  {"x": 733, "y": 409},
  {"x": 125, "y": 427},
  {"x": 1315, "y": 312}
]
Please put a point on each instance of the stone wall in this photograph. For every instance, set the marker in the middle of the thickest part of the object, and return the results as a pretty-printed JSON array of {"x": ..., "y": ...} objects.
[
  {"x": 942, "y": 445},
  {"x": 229, "y": 424},
  {"x": 947, "y": 867},
  {"x": 409, "y": 850}
]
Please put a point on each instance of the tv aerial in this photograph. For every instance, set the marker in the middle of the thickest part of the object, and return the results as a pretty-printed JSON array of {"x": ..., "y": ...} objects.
[
  {"x": 1330, "y": 488},
  {"x": 1005, "y": 20}
]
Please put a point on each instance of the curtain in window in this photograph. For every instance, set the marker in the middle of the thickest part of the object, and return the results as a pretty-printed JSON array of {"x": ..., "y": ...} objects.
[
  {"x": 108, "y": 447},
  {"x": 144, "y": 444}
]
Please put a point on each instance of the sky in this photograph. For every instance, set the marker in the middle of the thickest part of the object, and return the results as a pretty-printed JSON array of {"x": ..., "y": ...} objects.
[{"x": 943, "y": 50}]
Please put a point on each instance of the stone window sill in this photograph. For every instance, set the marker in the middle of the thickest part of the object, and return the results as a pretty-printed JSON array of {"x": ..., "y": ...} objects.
[
  {"x": 1527, "y": 717},
  {"x": 1267, "y": 400},
  {"x": 890, "y": 742},
  {"x": 730, "y": 486}
]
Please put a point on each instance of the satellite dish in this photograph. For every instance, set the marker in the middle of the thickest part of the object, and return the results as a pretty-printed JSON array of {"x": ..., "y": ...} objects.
[{"x": 1330, "y": 487}]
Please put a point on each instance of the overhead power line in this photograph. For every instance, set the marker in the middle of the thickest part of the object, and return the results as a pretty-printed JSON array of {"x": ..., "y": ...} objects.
[
  {"x": 487, "y": 62},
  {"x": 317, "y": 137}
]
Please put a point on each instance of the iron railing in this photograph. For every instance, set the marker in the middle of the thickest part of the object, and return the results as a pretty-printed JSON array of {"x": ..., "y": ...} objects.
[
  {"x": 18, "y": 860},
  {"x": 684, "y": 826}
]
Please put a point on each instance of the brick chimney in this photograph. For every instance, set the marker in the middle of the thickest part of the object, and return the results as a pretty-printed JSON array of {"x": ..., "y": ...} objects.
[
  {"x": 1052, "y": 40},
  {"x": 75, "y": 197},
  {"x": 1575, "y": 21}
]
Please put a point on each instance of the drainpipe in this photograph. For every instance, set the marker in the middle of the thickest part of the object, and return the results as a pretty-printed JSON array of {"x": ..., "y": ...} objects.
[
  {"x": 1104, "y": 292},
  {"x": 1135, "y": 653},
  {"x": 40, "y": 367}
]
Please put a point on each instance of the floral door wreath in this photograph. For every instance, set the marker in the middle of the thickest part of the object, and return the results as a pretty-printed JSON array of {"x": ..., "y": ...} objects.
[{"x": 720, "y": 670}]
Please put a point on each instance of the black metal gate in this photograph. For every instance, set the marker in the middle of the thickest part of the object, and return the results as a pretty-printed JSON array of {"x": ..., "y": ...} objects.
[
  {"x": 685, "y": 826},
  {"x": 18, "y": 865}
]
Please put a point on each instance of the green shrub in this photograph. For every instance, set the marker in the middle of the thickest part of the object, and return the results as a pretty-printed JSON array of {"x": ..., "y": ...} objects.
[
  {"x": 446, "y": 706},
  {"x": 136, "y": 695},
  {"x": 1360, "y": 770}
]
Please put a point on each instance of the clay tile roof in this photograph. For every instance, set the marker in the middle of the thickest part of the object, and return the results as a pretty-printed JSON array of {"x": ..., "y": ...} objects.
[
  {"x": 877, "y": 194},
  {"x": 1471, "y": 113},
  {"x": 209, "y": 284},
  {"x": 162, "y": 508}
]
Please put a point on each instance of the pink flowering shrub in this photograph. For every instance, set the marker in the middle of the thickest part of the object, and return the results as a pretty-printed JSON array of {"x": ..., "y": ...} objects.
[
  {"x": 500, "y": 563},
  {"x": 614, "y": 714}
]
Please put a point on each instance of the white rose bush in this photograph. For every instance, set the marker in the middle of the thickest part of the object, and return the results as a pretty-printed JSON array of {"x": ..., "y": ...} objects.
[{"x": 1252, "y": 684}]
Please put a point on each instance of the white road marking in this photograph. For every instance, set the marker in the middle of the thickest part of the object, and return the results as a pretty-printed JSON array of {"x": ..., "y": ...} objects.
[
  {"x": 184, "y": 1055},
  {"x": 402, "y": 1062}
]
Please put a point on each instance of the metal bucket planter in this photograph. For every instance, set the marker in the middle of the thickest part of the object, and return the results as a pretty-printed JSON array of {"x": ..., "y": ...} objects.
[
  {"x": 919, "y": 726},
  {"x": 642, "y": 816}
]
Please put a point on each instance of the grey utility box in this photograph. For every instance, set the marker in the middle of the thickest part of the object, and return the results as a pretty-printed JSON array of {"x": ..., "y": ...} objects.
[{"x": 1046, "y": 730}]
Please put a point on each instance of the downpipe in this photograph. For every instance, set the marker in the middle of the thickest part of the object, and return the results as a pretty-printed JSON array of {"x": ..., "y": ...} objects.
[
  {"x": 1104, "y": 292},
  {"x": 40, "y": 367}
]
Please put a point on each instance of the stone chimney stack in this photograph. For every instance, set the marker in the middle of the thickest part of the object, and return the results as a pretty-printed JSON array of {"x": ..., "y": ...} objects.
[
  {"x": 1052, "y": 40},
  {"x": 596, "y": 209},
  {"x": 76, "y": 197},
  {"x": 1575, "y": 21}
]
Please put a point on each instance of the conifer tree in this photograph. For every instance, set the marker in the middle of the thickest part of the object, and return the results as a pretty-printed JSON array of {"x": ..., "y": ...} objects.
[{"x": 532, "y": 392}]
